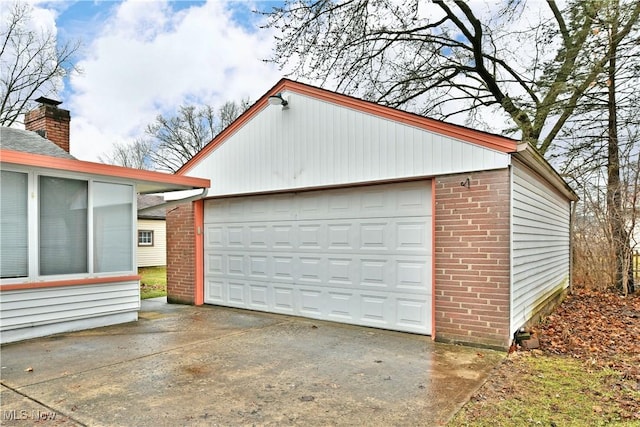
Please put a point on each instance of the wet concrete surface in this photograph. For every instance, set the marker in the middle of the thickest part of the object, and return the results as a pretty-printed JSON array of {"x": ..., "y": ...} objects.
[{"x": 184, "y": 365}]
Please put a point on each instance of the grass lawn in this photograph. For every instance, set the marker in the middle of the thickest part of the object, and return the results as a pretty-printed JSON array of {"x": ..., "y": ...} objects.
[
  {"x": 586, "y": 372},
  {"x": 153, "y": 282},
  {"x": 536, "y": 389}
]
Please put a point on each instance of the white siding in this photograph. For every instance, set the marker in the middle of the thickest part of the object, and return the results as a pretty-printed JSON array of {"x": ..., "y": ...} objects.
[
  {"x": 315, "y": 143},
  {"x": 540, "y": 244},
  {"x": 150, "y": 256},
  {"x": 38, "y": 312}
]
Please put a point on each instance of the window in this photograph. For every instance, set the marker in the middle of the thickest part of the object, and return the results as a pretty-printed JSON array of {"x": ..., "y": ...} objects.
[
  {"x": 14, "y": 227},
  {"x": 63, "y": 226},
  {"x": 112, "y": 227},
  {"x": 145, "y": 237}
]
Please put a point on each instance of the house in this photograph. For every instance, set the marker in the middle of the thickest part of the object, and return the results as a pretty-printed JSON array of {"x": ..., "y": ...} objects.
[
  {"x": 152, "y": 232},
  {"x": 330, "y": 207},
  {"x": 67, "y": 231}
]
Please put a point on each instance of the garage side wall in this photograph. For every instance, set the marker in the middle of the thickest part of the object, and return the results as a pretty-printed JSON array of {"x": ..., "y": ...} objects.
[
  {"x": 181, "y": 265},
  {"x": 541, "y": 245},
  {"x": 472, "y": 259}
]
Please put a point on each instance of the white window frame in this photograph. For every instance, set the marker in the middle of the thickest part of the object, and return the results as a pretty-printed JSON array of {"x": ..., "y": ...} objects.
[{"x": 146, "y": 244}]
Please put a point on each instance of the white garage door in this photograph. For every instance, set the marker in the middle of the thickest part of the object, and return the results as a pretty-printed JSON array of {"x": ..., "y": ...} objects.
[{"x": 354, "y": 255}]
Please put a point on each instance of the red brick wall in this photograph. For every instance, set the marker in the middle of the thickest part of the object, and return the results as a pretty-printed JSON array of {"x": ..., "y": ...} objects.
[
  {"x": 53, "y": 121},
  {"x": 472, "y": 259},
  {"x": 181, "y": 264}
]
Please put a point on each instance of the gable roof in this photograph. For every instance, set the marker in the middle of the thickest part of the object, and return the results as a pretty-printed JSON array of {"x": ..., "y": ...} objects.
[
  {"x": 489, "y": 140},
  {"x": 30, "y": 142},
  {"x": 521, "y": 151}
]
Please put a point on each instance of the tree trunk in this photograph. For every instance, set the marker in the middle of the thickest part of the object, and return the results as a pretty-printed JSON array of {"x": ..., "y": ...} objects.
[{"x": 619, "y": 234}]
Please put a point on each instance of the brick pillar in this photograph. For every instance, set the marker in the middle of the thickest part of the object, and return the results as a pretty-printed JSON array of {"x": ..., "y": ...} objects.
[
  {"x": 472, "y": 259},
  {"x": 50, "y": 121},
  {"x": 181, "y": 264}
]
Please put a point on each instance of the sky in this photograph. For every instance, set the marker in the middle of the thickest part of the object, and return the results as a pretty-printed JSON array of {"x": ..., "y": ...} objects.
[{"x": 141, "y": 58}]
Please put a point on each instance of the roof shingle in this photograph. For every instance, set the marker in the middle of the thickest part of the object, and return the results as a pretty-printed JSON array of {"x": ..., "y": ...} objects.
[{"x": 30, "y": 142}]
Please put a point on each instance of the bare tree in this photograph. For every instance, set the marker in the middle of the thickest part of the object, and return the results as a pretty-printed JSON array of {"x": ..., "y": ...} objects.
[
  {"x": 444, "y": 58},
  {"x": 31, "y": 62},
  {"x": 230, "y": 111},
  {"x": 606, "y": 117},
  {"x": 171, "y": 141},
  {"x": 136, "y": 155}
]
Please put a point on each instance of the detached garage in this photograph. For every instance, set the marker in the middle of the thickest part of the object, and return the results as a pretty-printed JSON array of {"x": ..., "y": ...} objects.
[{"x": 330, "y": 207}]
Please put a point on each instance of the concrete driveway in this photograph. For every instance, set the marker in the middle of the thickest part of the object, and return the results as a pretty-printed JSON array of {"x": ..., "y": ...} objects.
[{"x": 184, "y": 365}]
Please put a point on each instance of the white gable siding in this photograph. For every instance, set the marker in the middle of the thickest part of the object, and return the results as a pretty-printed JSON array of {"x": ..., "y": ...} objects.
[
  {"x": 540, "y": 244},
  {"x": 315, "y": 143},
  {"x": 34, "y": 313},
  {"x": 156, "y": 255}
]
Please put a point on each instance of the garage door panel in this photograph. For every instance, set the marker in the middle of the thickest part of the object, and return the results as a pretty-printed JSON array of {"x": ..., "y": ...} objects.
[
  {"x": 375, "y": 236},
  {"x": 355, "y": 255},
  {"x": 374, "y": 202},
  {"x": 235, "y": 237},
  {"x": 310, "y": 302},
  {"x": 283, "y": 268},
  {"x": 313, "y": 206},
  {"x": 341, "y": 306},
  {"x": 413, "y": 200},
  {"x": 340, "y": 271},
  {"x": 412, "y": 235},
  {"x": 375, "y": 310},
  {"x": 215, "y": 291},
  {"x": 236, "y": 265},
  {"x": 258, "y": 237},
  {"x": 236, "y": 293},
  {"x": 214, "y": 235},
  {"x": 374, "y": 273},
  {"x": 283, "y": 299},
  {"x": 411, "y": 313},
  {"x": 258, "y": 266},
  {"x": 259, "y": 296},
  {"x": 340, "y": 204},
  {"x": 412, "y": 276},
  {"x": 311, "y": 236},
  {"x": 214, "y": 264},
  {"x": 341, "y": 236},
  {"x": 283, "y": 237}
]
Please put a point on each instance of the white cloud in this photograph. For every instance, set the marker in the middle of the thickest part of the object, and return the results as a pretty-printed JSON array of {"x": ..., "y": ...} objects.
[{"x": 148, "y": 59}]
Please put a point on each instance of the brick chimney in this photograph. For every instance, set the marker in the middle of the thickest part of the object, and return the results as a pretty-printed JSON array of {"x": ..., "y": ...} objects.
[{"x": 50, "y": 122}]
